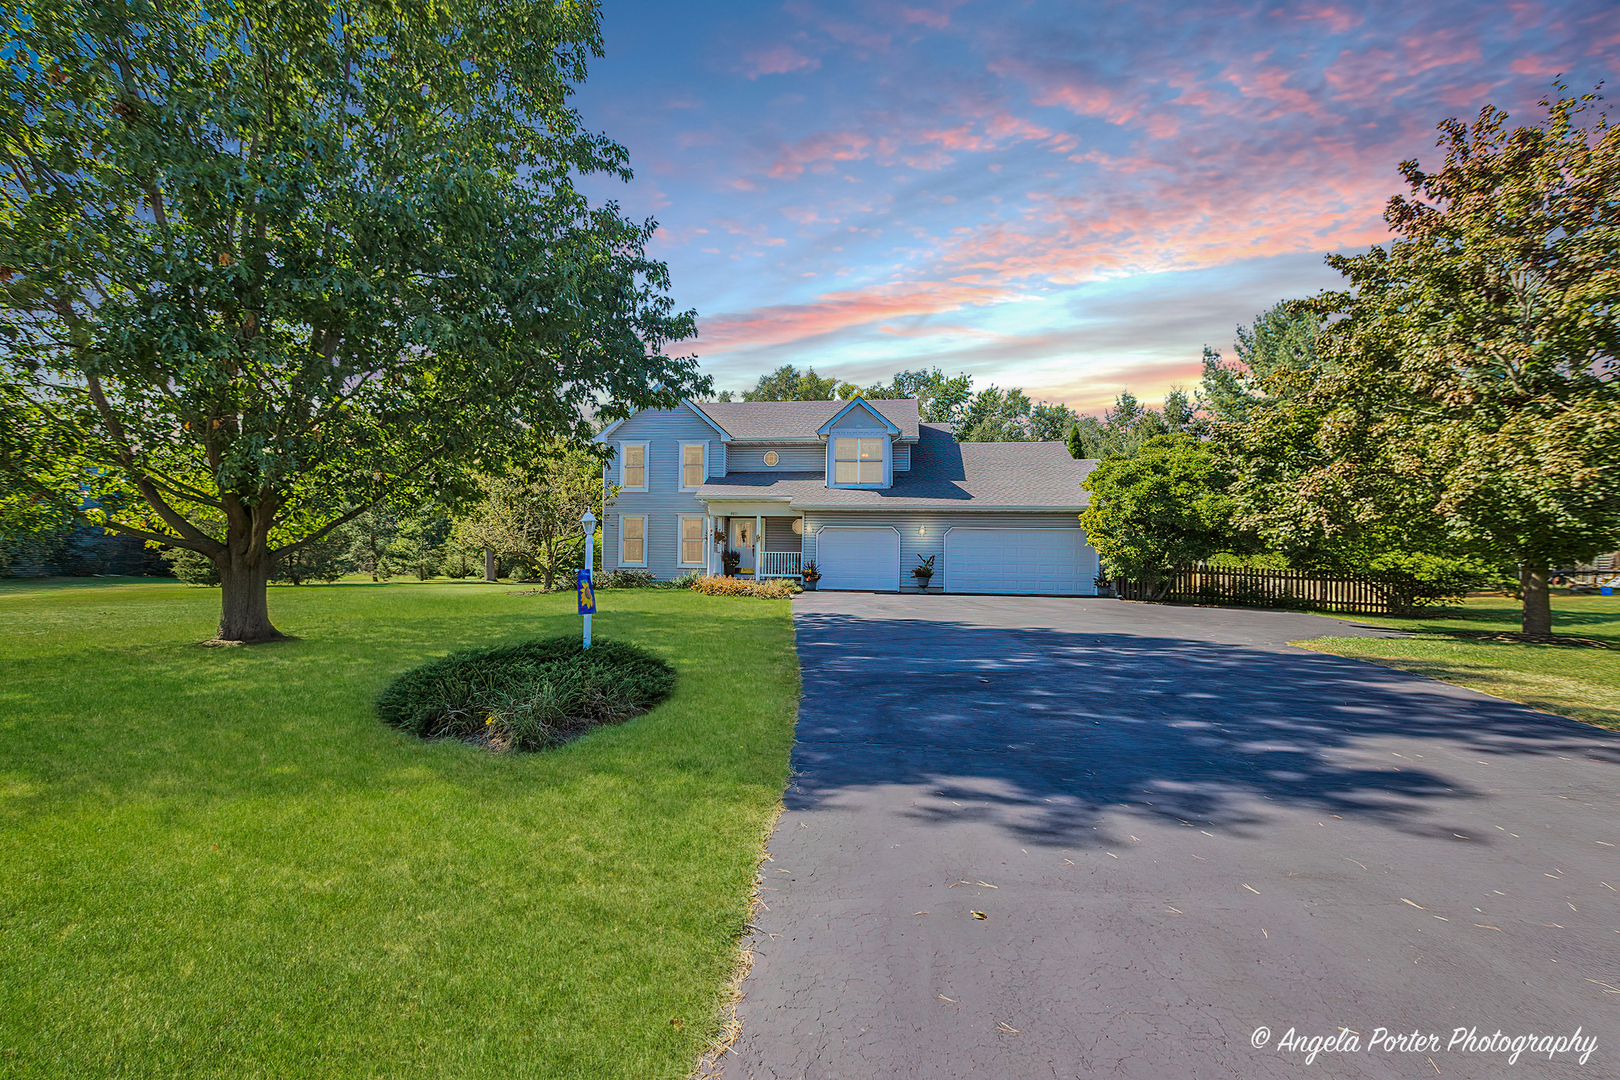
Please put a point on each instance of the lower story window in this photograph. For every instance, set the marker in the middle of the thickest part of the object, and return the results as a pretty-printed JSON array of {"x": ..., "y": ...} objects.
[
  {"x": 633, "y": 540},
  {"x": 691, "y": 541}
]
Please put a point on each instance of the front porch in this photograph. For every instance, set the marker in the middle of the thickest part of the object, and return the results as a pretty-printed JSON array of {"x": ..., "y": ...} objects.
[{"x": 767, "y": 545}]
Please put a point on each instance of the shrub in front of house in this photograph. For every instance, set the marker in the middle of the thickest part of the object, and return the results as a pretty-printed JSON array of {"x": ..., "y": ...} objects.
[
  {"x": 769, "y": 589},
  {"x": 529, "y": 696},
  {"x": 624, "y": 579}
]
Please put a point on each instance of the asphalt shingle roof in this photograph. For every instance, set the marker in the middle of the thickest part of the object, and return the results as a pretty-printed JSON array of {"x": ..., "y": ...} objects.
[
  {"x": 945, "y": 475},
  {"x": 797, "y": 421}
]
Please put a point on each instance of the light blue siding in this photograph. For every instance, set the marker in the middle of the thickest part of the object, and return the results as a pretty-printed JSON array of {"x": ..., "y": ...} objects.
[
  {"x": 664, "y": 431},
  {"x": 810, "y": 457},
  {"x": 902, "y": 457},
  {"x": 923, "y": 534},
  {"x": 779, "y": 535}
]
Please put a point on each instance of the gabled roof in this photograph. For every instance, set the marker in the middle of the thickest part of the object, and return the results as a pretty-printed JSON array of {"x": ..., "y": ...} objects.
[
  {"x": 864, "y": 406},
  {"x": 944, "y": 475},
  {"x": 797, "y": 421},
  {"x": 607, "y": 432}
]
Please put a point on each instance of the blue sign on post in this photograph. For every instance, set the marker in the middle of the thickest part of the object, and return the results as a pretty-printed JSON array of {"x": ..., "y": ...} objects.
[{"x": 587, "y": 595}]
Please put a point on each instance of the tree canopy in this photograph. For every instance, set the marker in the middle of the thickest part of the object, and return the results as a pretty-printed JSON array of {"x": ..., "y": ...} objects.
[
  {"x": 788, "y": 383},
  {"x": 1468, "y": 386},
  {"x": 1164, "y": 507},
  {"x": 264, "y": 267}
]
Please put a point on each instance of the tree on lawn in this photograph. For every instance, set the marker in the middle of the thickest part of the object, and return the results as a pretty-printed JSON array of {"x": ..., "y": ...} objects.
[
  {"x": 418, "y": 544},
  {"x": 370, "y": 536},
  {"x": 529, "y": 515},
  {"x": 274, "y": 264},
  {"x": 1476, "y": 356},
  {"x": 1165, "y": 507},
  {"x": 1282, "y": 340}
]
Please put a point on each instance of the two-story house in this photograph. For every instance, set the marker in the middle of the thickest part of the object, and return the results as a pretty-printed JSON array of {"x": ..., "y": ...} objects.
[{"x": 860, "y": 488}]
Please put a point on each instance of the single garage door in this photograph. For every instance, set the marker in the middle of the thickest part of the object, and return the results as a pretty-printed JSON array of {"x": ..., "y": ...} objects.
[
  {"x": 1018, "y": 561},
  {"x": 866, "y": 560}
]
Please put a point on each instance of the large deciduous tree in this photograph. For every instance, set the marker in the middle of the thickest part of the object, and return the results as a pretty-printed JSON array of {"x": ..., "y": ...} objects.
[
  {"x": 266, "y": 265},
  {"x": 1165, "y": 507},
  {"x": 1470, "y": 372}
]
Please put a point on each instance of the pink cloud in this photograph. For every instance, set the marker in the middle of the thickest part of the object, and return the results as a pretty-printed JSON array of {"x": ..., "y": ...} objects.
[
  {"x": 824, "y": 147},
  {"x": 832, "y": 311},
  {"x": 934, "y": 20},
  {"x": 1440, "y": 49},
  {"x": 782, "y": 60},
  {"x": 1338, "y": 19},
  {"x": 1537, "y": 65},
  {"x": 1067, "y": 90},
  {"x": 861, "y": 37}
]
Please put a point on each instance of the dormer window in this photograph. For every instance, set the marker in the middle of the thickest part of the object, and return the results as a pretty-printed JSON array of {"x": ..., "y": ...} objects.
[{"x": 857, "y": 461}]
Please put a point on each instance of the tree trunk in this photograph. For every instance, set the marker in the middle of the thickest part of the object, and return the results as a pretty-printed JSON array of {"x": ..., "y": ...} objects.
[
  {"x": 489, "y": 564},
  {"x": 1536, "y": 622},
  {"x": 244, "y": 574}
]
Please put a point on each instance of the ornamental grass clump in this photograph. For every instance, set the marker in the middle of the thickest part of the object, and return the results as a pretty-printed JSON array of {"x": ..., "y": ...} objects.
[
  {"x": 769, "y": 589},
  {"x": 529, "y": 696}
]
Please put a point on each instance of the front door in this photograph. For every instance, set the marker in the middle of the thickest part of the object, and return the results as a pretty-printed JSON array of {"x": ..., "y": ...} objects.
[{"x": 742, "y": 541}]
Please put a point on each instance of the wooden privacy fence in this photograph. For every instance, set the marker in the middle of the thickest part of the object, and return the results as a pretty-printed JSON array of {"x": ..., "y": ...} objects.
[{"x": 1272, "y": 588}]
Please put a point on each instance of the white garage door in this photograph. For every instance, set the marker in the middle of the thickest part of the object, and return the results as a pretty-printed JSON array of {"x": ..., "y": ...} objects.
[
  {"x": 1018, "y": 561},
  {"x": 863, "y": 559}
]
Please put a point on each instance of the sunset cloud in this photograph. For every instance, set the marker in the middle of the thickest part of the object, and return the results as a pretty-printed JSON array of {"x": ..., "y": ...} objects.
[
  {"x": 781, "y": 60},
  {"x": 838, "y": 311},
  {"x": 1072, "y": 198}
]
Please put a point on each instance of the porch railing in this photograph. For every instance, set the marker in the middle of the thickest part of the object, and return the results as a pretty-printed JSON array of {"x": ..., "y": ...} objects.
[{"x": 780, "y": 564}]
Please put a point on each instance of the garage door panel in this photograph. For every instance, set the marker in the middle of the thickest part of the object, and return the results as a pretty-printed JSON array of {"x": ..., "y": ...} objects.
[
  {"x": 859, "y": 559},
  {"x": 1026, "y": 561}
]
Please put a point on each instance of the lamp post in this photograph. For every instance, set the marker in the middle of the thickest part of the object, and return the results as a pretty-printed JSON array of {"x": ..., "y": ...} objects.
[{"x": 583, "y": 587}]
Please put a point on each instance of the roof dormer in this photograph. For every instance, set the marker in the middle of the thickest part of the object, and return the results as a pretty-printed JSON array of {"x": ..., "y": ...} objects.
[
  {"x": 860, "y": 447},
  {"x": 857, "y": 413}
]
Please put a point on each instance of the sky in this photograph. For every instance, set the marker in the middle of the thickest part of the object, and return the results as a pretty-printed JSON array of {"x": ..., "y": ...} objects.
[{"x": 1069, "y": 198}]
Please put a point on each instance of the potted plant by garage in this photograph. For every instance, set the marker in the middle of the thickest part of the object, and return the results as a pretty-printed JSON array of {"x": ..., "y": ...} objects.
[
  {"x": 812, "y": 574},
  {"x": 923, "y": 571},
  {"x": 730, "y": 560}
]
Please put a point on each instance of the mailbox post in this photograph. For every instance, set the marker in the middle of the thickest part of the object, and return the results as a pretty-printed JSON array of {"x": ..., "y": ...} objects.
[{"x": 582, "y": 584}]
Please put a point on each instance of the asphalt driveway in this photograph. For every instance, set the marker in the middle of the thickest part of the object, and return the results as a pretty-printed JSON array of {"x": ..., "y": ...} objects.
[{"x": 1178, "y": 830}]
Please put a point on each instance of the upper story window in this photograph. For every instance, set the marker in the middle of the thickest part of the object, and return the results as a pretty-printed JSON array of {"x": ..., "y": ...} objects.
[
  {"x": 857, "y": 461},
  {"x": 692, "y": 465},
  {"x": 633, "y": 466}
]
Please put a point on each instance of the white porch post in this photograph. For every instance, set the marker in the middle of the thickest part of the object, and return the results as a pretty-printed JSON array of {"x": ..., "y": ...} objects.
[
  {"x": 759, "y": 545},
  {"x": 708, "y": 545}
]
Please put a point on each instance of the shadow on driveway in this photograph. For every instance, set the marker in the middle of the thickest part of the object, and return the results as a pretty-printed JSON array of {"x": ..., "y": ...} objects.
[
  {"x": 1055, "y": 726},
  {"x": 1075, "y": 838}
]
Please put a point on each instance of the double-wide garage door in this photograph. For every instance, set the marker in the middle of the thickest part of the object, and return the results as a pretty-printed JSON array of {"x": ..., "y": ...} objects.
[
  {"x": 865, "y": 559},
  {"x": 1015, "y": 561},
  {"x": 1022, "y": 561}
]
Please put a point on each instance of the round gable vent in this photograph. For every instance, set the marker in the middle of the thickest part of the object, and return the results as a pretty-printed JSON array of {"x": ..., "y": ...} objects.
[{"x": 771, "y": 459}]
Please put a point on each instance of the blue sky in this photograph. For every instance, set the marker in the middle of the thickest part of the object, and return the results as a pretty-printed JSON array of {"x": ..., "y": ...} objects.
[{"x": 1071, "y": 198}]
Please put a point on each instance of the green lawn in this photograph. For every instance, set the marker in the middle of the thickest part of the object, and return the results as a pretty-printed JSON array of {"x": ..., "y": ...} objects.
[
  {"x": 1452, "y": 644},
  {"x": 218, "y": 863}
]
